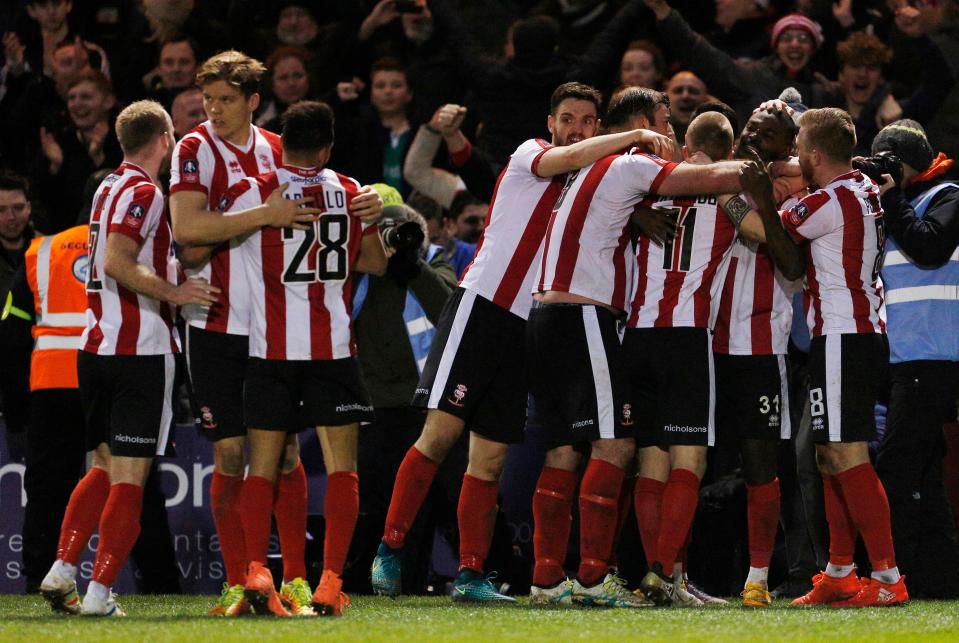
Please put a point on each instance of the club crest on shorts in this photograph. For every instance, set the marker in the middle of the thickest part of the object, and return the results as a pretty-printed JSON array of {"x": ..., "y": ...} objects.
[
  {"x": 627, "y": 419},
  {"x": 459, "y": 393},
  {"x": 206, "y": 418}
]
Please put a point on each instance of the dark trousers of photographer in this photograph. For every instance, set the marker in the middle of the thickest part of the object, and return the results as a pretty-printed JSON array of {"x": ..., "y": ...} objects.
[{"x": 909, "y": 463}]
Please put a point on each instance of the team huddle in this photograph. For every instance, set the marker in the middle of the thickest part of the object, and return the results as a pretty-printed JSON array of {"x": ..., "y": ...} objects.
[{"x": 656, "y": 282}]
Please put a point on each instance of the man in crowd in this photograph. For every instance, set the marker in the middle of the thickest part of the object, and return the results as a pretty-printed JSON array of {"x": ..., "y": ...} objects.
[
  {"x": 686, "y": 92},
  {"x": 127, "y": 366},
  {"x": 920, "y": 279}
]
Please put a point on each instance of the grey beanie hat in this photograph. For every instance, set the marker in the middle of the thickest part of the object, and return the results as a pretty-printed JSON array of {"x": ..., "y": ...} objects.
[{"x": 907, "y": 140}]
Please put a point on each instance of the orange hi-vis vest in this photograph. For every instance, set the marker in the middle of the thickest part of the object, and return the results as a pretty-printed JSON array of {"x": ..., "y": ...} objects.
[{"x": 57, "y": 272}]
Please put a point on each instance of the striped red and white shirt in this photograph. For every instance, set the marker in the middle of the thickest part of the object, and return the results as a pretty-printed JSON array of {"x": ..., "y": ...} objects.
[
  {"x": 843, "y": 223},
  {"x": 504, "y": 266},
  {"x": 119, "y": 321},
  {"x": 204, "y": 162},
  {"x": 754, "y": 313},
  {"x": 676, "y": 283},
  {"x": 588, "y": 251},
  {"x": 300, "y": 279}
]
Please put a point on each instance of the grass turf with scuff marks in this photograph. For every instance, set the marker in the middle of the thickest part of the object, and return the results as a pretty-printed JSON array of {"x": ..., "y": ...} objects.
[{"x": 181, "y": 618}]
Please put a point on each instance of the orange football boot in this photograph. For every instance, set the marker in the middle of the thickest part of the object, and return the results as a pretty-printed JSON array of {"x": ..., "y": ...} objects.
[
  {"x": 875, "y": 593},
  {"x": 827, "y": 589},
  {"x": 328, "y": 600},
  {"x": 260, "y": 592}
]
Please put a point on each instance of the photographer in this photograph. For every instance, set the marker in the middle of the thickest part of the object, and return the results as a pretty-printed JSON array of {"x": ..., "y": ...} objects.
[
  {"x": 920, "y": 276},
  {"x": 393, "y": 318}
]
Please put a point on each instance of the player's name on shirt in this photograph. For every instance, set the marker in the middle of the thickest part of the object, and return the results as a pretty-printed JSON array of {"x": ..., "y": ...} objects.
[{"x": 300, "y": 280}]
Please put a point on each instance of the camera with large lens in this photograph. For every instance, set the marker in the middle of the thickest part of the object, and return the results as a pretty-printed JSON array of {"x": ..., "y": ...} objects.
[
  {"x": 882, "y": 163},
  {"x": 401, "y": 235}
]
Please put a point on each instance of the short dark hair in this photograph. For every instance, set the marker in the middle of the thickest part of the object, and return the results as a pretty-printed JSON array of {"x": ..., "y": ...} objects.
[
  {"x": 578, "y": 91},
  {"x": 10, "y": 182},
  {"x": 235, "y": 69},
  {"x": 722, "y": 108},
  {"x": 428, "y": 208},
  {"x": 139, "y": 124},
  {"x": 387, "y": 63},
  {"x": 307, "y": 127},
  {"x": 831, "y": 131},
  {"x": 461, "y": 201},
  {"x": 633, "y": 101},
  {"x": 659, "y": 61},
  {"x": 177, "y": 39}
]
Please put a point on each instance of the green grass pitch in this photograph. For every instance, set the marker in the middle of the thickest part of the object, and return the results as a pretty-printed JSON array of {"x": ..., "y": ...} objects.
[{"x": 180, "y": 618}]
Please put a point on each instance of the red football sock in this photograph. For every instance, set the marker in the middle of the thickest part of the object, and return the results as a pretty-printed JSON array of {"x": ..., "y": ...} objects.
[
  {"x": 551, "y": 522},
  {"x": 598, "y": 509},
  {"x": 256, "y": 506},
  {"x": 842, "y": 532},
  {"x": 476, "y": 516},
  {"x": 341, "y": 506},
  {"x": 225, "y": 504},
  {"x": 679, "y": 508},
  {"x": 82, "y": 514},
  {"x": 622, "y": 511},
  {"x": 647, "y": 503},
  {"x": 869, "y": 509},
  {"x": 763, "y": 521},
  {"x": 119, "y": 529},
  {"x": 289, "y": 507},
  {"x": 413, "y": 480}
]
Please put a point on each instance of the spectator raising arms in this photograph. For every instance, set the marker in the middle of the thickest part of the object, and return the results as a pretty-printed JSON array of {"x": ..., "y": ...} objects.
[
  {"x": 376, "y": 135},
  {"x": 795, "y": 38}
]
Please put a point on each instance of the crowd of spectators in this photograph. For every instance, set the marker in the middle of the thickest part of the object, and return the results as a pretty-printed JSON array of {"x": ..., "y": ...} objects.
[{"x": 387, "y": 68}]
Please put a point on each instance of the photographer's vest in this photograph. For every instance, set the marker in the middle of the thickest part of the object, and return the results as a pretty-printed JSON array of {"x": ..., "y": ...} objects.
[
  {"x": 922, "y": 304},
  {"x": 418, "y": 327},
  {"x": 56, "y": 272}
]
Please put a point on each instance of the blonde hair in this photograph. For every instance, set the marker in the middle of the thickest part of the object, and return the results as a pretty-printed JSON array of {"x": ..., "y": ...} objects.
[
  {"x": 139, "y": 124},
  {"x": 831, "y": 131}
]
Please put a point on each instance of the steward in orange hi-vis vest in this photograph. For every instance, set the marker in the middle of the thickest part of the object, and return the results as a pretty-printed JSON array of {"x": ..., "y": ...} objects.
[
  {"x": 43, "y": 318},
  {"x": 56, "y": 268}
]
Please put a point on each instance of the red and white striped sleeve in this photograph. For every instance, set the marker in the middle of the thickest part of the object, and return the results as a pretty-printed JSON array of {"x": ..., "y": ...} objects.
[
  {"x": 138, "y": 212},
  {"x": 811, "y": 218},
  {"x": 191, "y": 169}
]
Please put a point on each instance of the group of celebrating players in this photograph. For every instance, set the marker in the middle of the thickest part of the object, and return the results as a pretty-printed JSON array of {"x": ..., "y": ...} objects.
[{"x": 600, "y": 288}]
